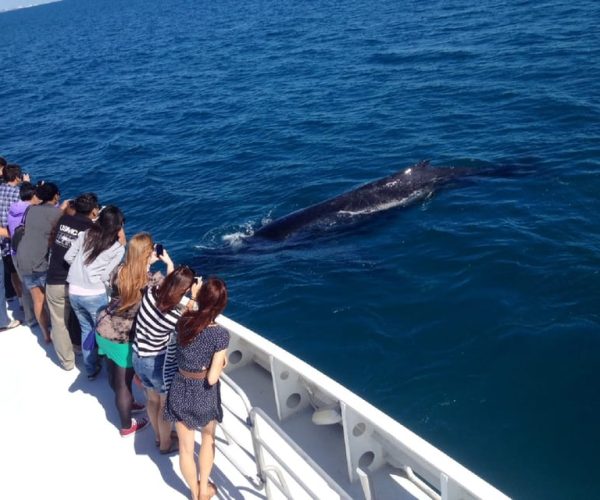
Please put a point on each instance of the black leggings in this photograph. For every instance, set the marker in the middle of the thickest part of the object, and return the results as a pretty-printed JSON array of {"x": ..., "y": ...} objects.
[{"x": 120, "y": 381}]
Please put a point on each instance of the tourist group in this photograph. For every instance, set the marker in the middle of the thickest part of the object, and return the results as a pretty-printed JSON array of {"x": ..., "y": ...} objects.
[{"x": 91, "y": 291}]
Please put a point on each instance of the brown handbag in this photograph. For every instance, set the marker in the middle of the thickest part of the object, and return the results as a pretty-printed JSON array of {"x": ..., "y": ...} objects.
[{"x": 114, "y": 326}]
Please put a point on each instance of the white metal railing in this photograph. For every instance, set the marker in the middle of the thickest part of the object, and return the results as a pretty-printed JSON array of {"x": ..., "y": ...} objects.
[
  {"x": 278, "y": 456},
  {"x": 371, "y": 438},
  {"x": 279, "y": 472},
  {"x": 254, "y": 477}
]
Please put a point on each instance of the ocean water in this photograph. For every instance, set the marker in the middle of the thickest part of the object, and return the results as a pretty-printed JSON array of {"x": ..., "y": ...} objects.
[{"x": 471, "y": 317}]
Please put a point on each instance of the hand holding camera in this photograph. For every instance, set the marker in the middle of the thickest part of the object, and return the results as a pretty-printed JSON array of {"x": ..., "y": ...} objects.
[
  {"x": 161, "y": 253},
  {"x": 196, "y": 285}
]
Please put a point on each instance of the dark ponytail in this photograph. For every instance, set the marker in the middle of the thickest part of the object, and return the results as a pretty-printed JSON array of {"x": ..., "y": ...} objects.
[{"x": 102, "y": 235}]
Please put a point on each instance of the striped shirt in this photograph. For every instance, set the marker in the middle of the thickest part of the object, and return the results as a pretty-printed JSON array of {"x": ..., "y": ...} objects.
[
  {"x": 170, "y": 367},
  {"x": 153, "y": 329}
]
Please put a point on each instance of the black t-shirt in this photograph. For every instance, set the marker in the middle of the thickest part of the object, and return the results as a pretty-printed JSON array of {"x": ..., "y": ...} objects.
[{"x": 67, "y": 229}]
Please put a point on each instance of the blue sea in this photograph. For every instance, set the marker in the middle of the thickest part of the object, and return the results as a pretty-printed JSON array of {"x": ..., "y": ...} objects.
[{"x": 473, "y": 317}]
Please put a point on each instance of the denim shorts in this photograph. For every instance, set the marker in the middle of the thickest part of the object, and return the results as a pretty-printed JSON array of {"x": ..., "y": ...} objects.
[
  {"x": 34, "y": 279},
  {"x": 150, "y": 371}
]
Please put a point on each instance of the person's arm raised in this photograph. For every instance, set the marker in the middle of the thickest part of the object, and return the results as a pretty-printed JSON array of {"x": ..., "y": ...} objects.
[
  {"x": 166, "y": 258},
  {"x": 122, "y": 237}
]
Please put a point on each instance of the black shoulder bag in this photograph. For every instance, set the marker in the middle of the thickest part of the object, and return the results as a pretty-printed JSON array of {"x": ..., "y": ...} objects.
[{"x": 17, "y": 236}]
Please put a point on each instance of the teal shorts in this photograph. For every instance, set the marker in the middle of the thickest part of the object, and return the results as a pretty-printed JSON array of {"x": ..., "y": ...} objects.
[{"x": 119, "y": 353}]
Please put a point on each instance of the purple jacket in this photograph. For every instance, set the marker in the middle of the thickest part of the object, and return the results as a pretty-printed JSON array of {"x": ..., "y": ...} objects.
[{"x": 15, "y": 215}]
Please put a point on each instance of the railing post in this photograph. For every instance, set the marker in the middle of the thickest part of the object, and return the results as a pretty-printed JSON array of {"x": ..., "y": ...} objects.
[
  {"x": 362, "y": 451},
  {"x": 365, "y": 482},
  {"x": 290, "y": 394}
]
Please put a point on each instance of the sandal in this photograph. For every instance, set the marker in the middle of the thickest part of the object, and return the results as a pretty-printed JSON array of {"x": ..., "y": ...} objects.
[
  {"x": 171, "y": 449},
  {"x": 212, "y": 491},
  {"x": 13, "y": 324},
  {"x": 174, "y": 437}
]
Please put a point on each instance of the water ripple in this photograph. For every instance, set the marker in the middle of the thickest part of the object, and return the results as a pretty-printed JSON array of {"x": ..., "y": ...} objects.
[{"x": 472, "y": 313}]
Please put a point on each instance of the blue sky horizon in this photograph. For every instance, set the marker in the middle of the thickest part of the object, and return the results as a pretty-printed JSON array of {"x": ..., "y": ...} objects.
[{"x": 18, "y": 4}]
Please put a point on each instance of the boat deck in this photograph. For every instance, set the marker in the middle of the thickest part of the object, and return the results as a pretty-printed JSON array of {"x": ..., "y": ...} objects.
[
  {"x": 61, "y": 435},
  {"x": 61, "y": 439}
]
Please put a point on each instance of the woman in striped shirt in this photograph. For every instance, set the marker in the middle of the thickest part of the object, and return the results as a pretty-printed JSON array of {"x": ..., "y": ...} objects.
[
  {"x": 114, "y": 326},
  {"x": 159, "y": 312}
]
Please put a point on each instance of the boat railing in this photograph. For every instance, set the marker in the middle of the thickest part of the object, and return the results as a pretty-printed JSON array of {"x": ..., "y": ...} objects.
[
  {"x": 273, "y": 449},
  {"x": 372, "y": 439}
]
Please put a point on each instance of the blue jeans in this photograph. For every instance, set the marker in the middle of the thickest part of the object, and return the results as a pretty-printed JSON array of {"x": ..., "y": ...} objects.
[
  {"x": 86, "y": 308},
  {"x": 35, "y": 279},
  {"x": 4, "y": 319},
  {"x": 150, "y": 371}
]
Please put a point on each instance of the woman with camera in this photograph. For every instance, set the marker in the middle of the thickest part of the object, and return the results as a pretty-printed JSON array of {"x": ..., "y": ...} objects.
[
  {"x": 194, "y": 400},
  {"x": 114, "y": 327},
  {"x": 160, "y": 309}
]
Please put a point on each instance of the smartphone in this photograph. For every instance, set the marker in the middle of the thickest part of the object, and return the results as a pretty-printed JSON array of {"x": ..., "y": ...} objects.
[
  {"x": 198, "y": 280},
  {"x": 158, "y": 248}
]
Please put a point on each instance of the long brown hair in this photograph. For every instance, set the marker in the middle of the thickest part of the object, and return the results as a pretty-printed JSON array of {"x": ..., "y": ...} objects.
[
  {"x": 211, "y": 299},
  {"x": 173, "y": 288},
  {"x": 133, "y": 275}
]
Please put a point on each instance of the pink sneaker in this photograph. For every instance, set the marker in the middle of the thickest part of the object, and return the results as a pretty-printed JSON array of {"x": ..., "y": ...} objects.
[
  {"x": 136, "y": 425},
  {"x": 137, "y": 407}
]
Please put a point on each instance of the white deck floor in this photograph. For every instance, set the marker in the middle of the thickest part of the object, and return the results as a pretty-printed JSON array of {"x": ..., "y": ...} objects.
[{"x": 60, "y": 436}]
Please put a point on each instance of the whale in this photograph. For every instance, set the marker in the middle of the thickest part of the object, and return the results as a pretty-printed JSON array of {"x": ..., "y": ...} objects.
[{"x": 403, "y": 188}]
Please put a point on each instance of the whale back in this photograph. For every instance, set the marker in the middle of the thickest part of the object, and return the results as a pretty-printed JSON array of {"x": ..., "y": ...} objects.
[{"x": 399, "y": 189}]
